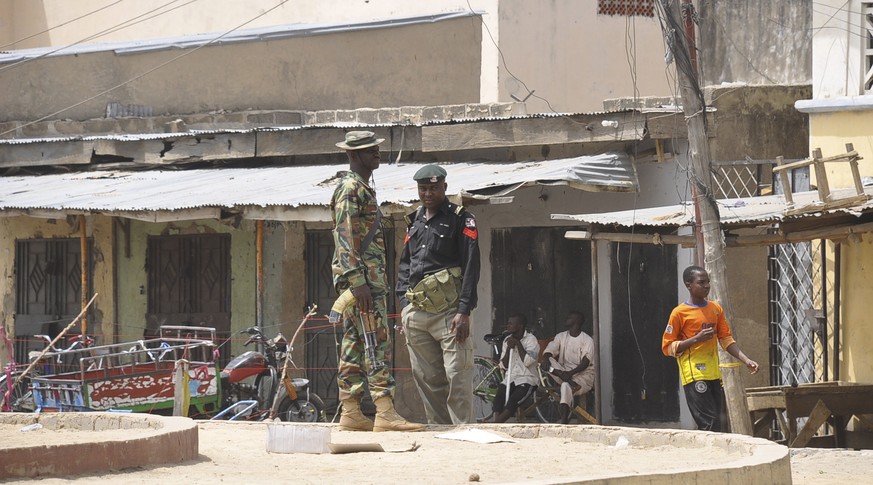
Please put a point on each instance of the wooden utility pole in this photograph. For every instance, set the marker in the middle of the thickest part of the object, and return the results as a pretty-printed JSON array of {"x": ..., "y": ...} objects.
[{"x": 708, "y": 222}]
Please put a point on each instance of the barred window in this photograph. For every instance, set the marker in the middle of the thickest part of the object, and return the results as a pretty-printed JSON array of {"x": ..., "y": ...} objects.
[
  {"x": 867, "y": 23},
  {"x": 643, "y": 8}
]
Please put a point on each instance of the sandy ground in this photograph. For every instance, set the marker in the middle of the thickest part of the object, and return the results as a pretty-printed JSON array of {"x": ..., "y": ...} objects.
[{"x": 237, "y": 453}]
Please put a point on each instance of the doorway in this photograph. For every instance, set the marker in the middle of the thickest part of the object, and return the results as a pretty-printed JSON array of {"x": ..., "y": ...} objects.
[{"x": 644, "y": 291}]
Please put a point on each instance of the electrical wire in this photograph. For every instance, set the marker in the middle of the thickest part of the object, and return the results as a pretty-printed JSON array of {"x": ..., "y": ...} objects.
[
  {"x": 741, "y": 53},
  {"x": 59, "y": 25},
  {"x": 140, "y": 76},
  {"x": 114, "y": 28},
  {"x": 530, "y": 92},
  {"x": 630, "y": 56}
]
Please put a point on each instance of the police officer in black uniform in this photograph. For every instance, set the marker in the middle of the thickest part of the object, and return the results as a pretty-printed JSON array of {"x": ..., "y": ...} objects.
[{"x": 436, "y": 284}]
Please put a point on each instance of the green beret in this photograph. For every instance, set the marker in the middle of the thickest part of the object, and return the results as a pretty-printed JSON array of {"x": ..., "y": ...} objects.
[{"x": 430, "y": 174}]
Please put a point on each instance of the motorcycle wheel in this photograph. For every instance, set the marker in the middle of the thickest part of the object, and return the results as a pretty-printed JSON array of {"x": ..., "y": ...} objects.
[
  {"x": 20, "y": 400},
  {"x": 304, "y": 410}
]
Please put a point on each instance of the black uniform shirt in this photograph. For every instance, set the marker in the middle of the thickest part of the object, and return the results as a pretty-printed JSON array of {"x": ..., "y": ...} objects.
[{"x": 450, "y": 238}]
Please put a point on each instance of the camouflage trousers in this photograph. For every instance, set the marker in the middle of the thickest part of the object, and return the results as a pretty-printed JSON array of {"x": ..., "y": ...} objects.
[{"x": 354, "y": 368}]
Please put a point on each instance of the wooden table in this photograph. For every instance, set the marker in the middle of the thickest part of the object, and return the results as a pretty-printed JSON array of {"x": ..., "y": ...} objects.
[{"x": 827, "y": 402}]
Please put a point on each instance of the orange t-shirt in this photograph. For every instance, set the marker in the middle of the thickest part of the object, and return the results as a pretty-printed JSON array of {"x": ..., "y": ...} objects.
[{"x": 698, "y": 362}]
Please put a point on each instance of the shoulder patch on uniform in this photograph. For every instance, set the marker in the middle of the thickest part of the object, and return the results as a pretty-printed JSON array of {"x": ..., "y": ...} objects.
[
  {"x": 669, "y": 329},
  {"x": 469, "y": 222},
  {"x": 410, "y": 218}
]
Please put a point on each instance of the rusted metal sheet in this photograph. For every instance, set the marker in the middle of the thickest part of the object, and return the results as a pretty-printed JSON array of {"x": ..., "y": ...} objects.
[
  {"x": 290, "y": 187},
  {"x": 739, "y": 212}
]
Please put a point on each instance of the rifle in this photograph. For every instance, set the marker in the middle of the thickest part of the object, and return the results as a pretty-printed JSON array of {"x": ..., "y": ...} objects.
[{"x": 368, "y": 326}]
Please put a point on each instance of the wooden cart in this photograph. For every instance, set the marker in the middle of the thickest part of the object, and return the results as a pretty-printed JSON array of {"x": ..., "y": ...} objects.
[{"x": 133, "y": 376}]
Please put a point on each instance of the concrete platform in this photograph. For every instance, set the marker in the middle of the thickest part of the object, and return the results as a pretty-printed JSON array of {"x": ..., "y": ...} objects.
[
  {"x": 745, "y": 460},
  {"x": 84, "y": 443},
  {"x": 161, "y": 449}
]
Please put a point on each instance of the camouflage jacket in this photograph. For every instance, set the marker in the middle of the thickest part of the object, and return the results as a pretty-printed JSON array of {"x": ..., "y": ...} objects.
[{"x": 354, "y": 207}]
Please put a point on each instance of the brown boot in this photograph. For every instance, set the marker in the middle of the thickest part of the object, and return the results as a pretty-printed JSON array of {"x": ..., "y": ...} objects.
[
  {"x": 352, "y": 418},
  {"x": 387, "y": 418}
]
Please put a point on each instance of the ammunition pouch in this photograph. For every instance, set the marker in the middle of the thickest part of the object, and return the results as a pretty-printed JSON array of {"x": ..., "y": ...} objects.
[{"x": 437, "y": 292}]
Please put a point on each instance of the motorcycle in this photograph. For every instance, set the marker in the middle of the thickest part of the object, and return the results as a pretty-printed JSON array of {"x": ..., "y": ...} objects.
[{"x": 253, "y": 388}]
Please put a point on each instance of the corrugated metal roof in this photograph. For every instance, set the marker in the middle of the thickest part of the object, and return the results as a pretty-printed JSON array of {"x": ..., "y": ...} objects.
[
  {"x": 290, "y": 186},
  {"x": 750, "y": 211},
  {"x": 340, "y": 124},
  {"x": 243, "y": 35}
]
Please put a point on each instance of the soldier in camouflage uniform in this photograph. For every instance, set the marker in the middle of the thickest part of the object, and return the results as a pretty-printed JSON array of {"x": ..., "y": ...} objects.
[{"x": 358, "y": 225}]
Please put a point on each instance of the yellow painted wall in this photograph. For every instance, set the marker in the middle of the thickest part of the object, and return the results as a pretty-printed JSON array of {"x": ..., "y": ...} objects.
[
  {"x": 98, "y": 229},
  {"x": 830, "y": 132},
  {"x": 856, "y": 363}
]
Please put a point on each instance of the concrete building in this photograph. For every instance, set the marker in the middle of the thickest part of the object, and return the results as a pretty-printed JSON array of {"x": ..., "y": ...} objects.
[
  {"x": 563, "y": 56},
  {"x": 435, "y": 84},
  {"x": 840, "y": 113}
]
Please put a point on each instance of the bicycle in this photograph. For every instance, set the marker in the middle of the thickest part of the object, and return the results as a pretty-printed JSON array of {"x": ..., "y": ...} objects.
[{"x": 487, "y": 375}]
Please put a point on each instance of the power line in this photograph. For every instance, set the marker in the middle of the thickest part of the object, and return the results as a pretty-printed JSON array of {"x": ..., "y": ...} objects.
[
  {"x": 60, "y": 25},
  {"x": 741, "y": 53},
  {"x": 109, "y": 30},
  {"x": 140, "y": 76}
]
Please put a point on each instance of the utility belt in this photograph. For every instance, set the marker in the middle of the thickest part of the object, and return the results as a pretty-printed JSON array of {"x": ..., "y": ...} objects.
[{"x": 437, "y": 292}]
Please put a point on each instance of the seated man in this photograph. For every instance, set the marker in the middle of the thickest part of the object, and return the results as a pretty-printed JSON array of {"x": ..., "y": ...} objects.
[
  {"x": 569, "y": 358},
  {"x": 519, "y": 361}
]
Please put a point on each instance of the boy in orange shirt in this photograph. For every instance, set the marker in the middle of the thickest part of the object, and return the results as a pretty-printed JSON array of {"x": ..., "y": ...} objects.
[{"x": 689, "y": 338}]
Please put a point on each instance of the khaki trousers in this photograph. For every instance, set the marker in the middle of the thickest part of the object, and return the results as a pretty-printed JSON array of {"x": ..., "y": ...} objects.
[{"x": 442, "y": 366}]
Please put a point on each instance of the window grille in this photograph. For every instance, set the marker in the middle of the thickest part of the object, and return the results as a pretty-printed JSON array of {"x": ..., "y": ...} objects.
[
  {"x": 744, "y": 178},
  {"x": 867, "y": 24}
]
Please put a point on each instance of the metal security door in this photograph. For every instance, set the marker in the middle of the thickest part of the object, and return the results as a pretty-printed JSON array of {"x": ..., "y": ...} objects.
[
  {"x": 189, "y": 283},
  {"x": 321, "y": 341},
  {"x": 48, "y": 290},
  {"x": 539, "y": 272},
  {"x": 798, "y": 327},
  {"x": 645, "y": 383},
  {"x": 798, "y": 324}
]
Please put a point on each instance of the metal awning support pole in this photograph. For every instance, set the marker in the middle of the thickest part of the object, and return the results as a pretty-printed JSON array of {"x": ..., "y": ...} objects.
[
  {"x": 83, "y": 256},
  {"x": 259, "y": 283},
  {"x": 823, "y": 321},
  {"x": 838, "y": 270},
  {"x": 595, "y": 326}
]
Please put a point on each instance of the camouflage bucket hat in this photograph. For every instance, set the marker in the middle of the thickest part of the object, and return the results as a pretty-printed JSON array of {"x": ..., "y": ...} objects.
[{"x": 357, "y": 140}]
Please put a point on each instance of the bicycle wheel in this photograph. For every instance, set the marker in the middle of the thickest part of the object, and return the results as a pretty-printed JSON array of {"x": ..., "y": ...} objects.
[
  {"x": 486, "y": 378},
  {"x": 20, "y": 399},
  {"x": 548, "y": 408},
  {"x": 548, "y": 400}
]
